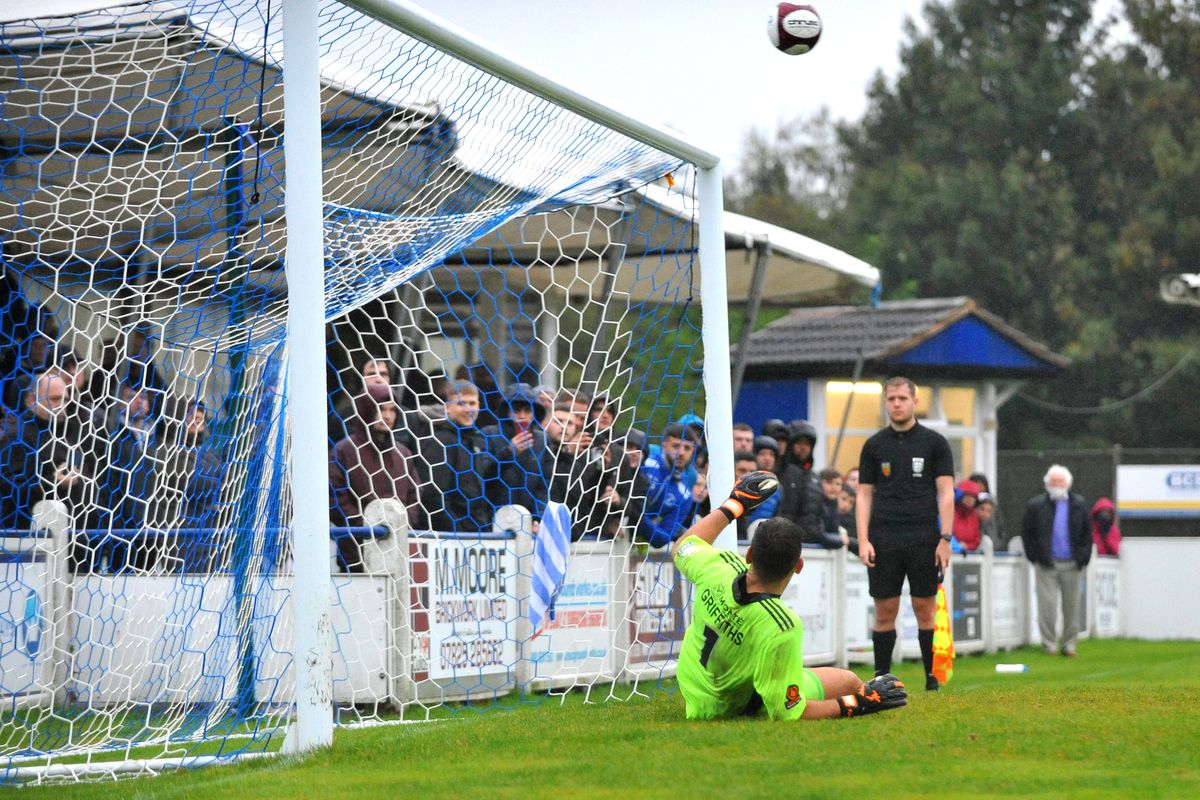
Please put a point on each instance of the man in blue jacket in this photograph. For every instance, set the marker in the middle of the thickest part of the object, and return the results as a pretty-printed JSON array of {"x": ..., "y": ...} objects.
[{"x": 669, "y": 505}]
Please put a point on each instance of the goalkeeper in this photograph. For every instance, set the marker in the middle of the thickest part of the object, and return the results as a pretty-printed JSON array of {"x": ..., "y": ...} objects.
[{"x": 742, "y": 651}]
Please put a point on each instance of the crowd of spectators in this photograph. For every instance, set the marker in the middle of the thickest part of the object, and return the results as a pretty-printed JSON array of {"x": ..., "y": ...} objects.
[
  {"x": 123, "y": 454},
  {"x": 119, "y": 453}
]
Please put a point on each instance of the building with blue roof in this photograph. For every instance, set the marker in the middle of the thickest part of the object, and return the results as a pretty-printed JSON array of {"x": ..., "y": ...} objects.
[{"x": 966, "y": 362}]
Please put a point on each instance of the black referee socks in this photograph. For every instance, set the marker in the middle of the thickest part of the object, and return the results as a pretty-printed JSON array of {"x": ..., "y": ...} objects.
[
  {"x": 885, "y": 643},
  {"x": 925, "y": 637}
]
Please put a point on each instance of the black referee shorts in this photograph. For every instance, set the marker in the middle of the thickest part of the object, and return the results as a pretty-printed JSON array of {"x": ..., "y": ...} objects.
[{"x": 916, "y": 562}]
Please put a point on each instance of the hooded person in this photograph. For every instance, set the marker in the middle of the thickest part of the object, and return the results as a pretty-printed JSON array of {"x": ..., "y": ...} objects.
[
  {"x": 369, "y": 465},
  {"x": 1105, "y": 532},
  {"x": 801, "y": 489},
  {"x": 518, "y": 443},
  {"x": 801, "y": 439},
  {"x": 777, "y": 429},
  {"x": 966, "y": 520}
]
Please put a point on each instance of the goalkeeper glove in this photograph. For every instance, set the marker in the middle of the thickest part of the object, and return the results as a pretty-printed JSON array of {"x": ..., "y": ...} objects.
[
  {"x": 878, "y": 694},
  {"x": 748, "y": 493}
]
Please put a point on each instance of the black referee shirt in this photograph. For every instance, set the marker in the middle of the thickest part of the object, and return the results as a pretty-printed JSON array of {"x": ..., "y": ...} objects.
[{"x": 903, "y": 467}]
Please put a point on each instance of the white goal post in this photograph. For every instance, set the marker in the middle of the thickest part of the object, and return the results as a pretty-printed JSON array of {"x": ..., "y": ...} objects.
[
  {"x": 306, "y": 325},
  {"x": 239, "y": 241}
]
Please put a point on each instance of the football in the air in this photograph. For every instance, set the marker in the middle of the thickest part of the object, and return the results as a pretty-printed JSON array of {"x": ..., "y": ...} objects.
[{"x": 794, "y": 29}]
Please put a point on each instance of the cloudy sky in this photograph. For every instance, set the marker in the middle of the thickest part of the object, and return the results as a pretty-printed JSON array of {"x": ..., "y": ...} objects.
[{"x": 703, "y": 67}]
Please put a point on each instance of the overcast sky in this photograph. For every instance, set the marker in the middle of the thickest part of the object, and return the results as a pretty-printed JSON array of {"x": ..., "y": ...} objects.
[{"x": 704, "y": 67}]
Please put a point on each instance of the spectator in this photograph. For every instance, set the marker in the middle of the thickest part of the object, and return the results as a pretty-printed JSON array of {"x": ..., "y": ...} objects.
[
  {"x": 700, "y": 495},
  {"x": 846, "y": 500},
  {"x": 1105, "y": 533},
  {"x": 129, "y": 471},
  {"x": 987, "y": 521},
  {"x": 832, "y": 535},
  {"x": 669, "y": 500},
  {"x": 369, "y": 465},
  {"x": 966, "y": 520},
  {"x": 632, "y": 485},
  {"x": 592, "y": 495},
  {"x": 580, "y": 402},
  {"x": 562, "y": 450},
  {"x": 1058, "y": 541},
  {"x": 57, "y": 459},
  {"x": 603, "y": 411},
  {"x": 765, "y": 449},
  {"x": 518, "y": 444},
  {"x": 375, "y": 372},
  {"x": 801, "y": 439},
  {"x": 459, "y": 475},
  {"x": 37, "y": 356},
  {"x": 344, "y": 419},
  {"x": 491, "y": 401},
  {"x": 103, "y": 385},
  {"x": 777, "y": 429},
  {"x": 980, "y": 480},
  {"x": 801, "y": 489},
  {"x": 128, "y": 479},
  {"x": 743, "y": 438},
  {"x": 766, "y": 452},
  {"x": 743, "y": 464},
  {"x": 694, "y": 428},
  {"x": 137, "y": 368},
  {"x": 547, "y": 397},
  {"x": 994, "y": 519},
  {"x": 190, "y": 474},
  {"x": 851, "y": 479},
  {"x": 10, "y": 463}
]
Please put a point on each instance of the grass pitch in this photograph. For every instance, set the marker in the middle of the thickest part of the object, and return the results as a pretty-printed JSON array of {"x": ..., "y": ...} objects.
[{"x": 1120, "y": 721}]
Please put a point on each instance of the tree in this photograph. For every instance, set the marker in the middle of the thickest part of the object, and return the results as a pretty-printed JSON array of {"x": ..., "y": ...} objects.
[
  {"x": 1052, "y": 178},
  {"x": 958, "y": 170},
  {"x": 1043, "y": 167},
  {"x": 795, "y": 178}
]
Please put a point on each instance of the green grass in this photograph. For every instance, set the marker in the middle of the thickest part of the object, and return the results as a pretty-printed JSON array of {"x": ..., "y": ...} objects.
[{"x": 1120, "y": 721}]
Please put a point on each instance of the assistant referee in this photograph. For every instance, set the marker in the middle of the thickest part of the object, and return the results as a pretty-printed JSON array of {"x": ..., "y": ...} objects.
[{"x": 905, "y": 486}]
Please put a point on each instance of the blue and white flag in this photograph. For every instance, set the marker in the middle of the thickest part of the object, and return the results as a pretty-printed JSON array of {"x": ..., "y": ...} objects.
[{"x": 550, "y": 551}]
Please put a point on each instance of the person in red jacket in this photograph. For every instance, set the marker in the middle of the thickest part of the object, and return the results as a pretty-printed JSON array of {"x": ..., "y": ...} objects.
[
  {"x": 966, "y": 520},
  {"x": 1105, "y": 532}
]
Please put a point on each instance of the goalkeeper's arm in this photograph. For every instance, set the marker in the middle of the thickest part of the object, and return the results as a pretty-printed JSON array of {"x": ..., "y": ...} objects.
[
  {"x": 878, "y": 694},
  {"x": 748, "y": 493}
]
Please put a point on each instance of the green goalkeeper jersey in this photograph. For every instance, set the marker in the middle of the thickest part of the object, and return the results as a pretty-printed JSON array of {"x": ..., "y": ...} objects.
[{"x": 742, "y": 651}]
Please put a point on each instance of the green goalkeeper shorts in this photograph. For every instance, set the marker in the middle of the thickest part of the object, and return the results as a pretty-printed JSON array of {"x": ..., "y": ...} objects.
[{"x": 811, "y": 686}]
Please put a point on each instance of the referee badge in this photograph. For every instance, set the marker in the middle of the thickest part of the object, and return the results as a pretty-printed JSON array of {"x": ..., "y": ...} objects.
[
  {"x": 886, "y": 468},
  {"x": 918, "y": 467}
]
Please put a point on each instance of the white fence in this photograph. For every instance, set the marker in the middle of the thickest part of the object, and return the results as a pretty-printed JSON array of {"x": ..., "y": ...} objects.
[{"x": 440, "y": 618}]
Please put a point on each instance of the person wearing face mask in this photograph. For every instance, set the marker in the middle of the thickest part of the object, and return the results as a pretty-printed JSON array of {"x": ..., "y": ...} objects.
[
  {"x": 1058, "y": 541},
  {"x": 1105, "y": 532}
]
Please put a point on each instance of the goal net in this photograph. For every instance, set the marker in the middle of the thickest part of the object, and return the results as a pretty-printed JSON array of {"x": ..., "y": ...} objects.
[{"x": 514, "y": 387}]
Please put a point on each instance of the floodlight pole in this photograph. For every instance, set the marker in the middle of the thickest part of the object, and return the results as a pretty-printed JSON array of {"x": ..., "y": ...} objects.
[{"x": 306, "y": 395}]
